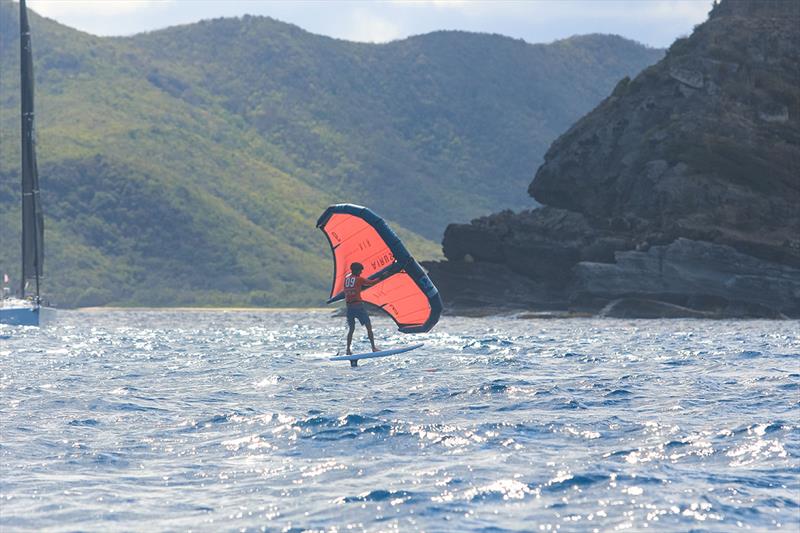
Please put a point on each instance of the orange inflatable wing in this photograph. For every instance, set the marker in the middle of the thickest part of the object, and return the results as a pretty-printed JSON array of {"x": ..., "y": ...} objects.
[{"x": 404, "y": 292}]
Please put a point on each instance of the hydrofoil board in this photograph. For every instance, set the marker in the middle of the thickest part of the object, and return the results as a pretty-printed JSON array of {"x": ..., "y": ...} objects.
[{"x": 372, "y": 355}]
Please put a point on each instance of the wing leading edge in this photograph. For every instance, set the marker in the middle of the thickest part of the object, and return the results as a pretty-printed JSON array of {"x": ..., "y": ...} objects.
[{"x": 405, "y": 291}]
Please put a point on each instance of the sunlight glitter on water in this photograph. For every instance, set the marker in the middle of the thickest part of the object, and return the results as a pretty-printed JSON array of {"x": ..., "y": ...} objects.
[{"x": 154, "y": 420}]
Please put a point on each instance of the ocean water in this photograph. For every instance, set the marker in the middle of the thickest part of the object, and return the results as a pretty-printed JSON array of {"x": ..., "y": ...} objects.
[{"x": 212, "y": 421}]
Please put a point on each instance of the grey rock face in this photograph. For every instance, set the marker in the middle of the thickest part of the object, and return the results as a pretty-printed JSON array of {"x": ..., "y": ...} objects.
[
  {"x": 680, "y": 191},
  {"x": 476, "y": 287},
  {"x": 695, "y": 274},
  {"x": 705, "y": 144}
]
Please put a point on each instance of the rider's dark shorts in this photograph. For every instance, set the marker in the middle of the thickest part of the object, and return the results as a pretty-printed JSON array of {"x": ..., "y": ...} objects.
[{"x": 357, "y": 311}]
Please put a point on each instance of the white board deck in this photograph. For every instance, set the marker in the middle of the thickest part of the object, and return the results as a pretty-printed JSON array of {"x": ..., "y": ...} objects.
[{"x": 372, "y": 355}]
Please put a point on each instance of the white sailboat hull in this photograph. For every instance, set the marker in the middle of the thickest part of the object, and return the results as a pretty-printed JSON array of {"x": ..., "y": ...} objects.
[{"x": 19, "y": 313}]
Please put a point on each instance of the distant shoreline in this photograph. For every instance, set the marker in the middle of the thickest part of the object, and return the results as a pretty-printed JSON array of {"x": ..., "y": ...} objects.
[{"x": 205, "y": 309}]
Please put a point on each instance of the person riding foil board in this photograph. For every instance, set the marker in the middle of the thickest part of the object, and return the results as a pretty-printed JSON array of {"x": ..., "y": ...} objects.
[
  {"x": 353, "y": 284},
  {"x": 372, "y": 266}
]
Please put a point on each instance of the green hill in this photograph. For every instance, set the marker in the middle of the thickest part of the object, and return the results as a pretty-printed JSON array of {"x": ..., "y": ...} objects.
[{"x": 187, "y": 166}]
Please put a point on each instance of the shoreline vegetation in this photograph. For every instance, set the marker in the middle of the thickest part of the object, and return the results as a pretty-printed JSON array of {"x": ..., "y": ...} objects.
[
  {"x": 476, "y": 312},
  {"x": 100, "y": 309}
]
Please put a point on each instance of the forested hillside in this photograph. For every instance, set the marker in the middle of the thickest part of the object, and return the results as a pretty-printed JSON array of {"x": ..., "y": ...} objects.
[{"x": 187, "y": 166}]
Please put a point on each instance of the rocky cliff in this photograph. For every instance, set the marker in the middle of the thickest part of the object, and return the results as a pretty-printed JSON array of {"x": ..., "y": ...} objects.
[{"x": 679, "y": 195}]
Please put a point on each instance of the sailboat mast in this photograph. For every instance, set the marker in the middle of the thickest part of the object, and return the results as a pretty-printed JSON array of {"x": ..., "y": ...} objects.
[{"x": 32, "y": 218}]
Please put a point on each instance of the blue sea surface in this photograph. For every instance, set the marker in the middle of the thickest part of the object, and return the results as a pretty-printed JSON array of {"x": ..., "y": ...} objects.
[{"x": 215, "y": 421}]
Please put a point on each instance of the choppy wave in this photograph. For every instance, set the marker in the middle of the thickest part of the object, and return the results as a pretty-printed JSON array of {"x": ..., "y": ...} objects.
[{"x": 237, "y": 421}]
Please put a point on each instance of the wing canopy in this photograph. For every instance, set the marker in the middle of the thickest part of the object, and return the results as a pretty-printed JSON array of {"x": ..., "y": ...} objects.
[{"x": 405, "y": 293}]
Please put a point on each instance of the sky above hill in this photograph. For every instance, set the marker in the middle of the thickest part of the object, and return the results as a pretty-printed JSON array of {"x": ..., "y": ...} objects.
[{"x": 652, "y": 22}]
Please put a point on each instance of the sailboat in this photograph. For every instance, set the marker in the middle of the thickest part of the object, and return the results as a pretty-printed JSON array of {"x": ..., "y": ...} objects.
[{"x": 26, "y": 309}]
